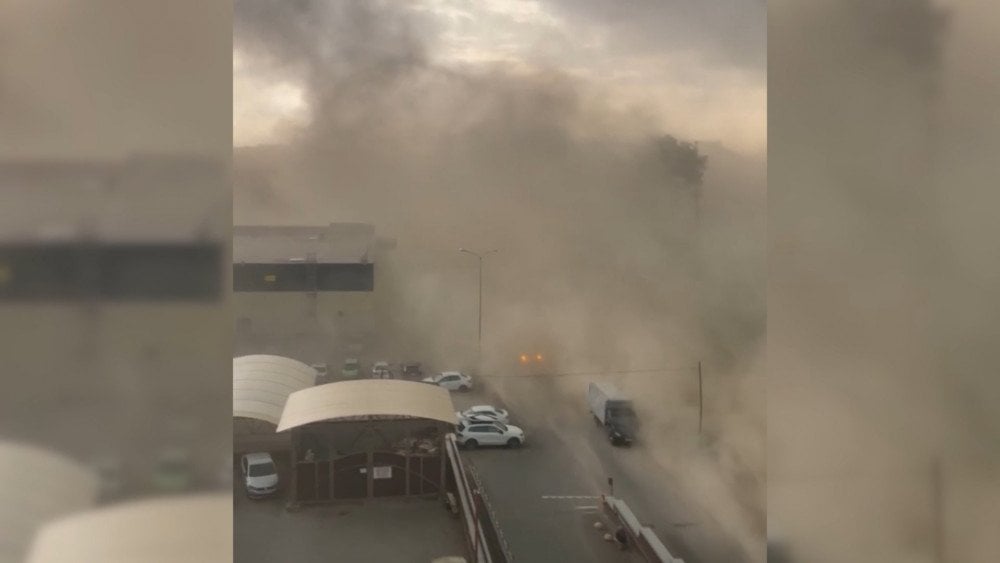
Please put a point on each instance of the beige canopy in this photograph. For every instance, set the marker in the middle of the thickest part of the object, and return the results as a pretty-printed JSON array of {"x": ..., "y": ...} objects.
[
  {"x": 36, "y": 486},
  {"x": 262, "y": 384},
  {"x": 196, "y": 528},
  {"x": 369, "y": 397}
]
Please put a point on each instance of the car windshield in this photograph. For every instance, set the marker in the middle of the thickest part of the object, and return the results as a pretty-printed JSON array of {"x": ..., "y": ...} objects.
[
  {"x": 621, "y": 412},
  {"x": 262, "y": 469},
  {"x": 351, "y": 365}
]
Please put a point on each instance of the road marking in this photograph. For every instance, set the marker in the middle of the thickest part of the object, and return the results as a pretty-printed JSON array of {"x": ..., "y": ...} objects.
[
  {"x": 591, "y": 507},
  {"x": 573, "y": 497}
]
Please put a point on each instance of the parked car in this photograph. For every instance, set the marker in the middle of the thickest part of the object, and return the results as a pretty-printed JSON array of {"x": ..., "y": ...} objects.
[
  {"x": 451, "y": 380},
  {"x": 411, "y": 370},
  {"x": 485, "y": 412},
  {"x": 260, "y": 476},
  {"x": 173, "y": 471},
  {"x": 472, "y": 435},
  {"x": 322, "y": 373},
  {"x": 473, "y": 419},
  {"x": 381, "y": 370},
  {"x": 109, "y": 474},
  {"x": 351, "y": 369}
]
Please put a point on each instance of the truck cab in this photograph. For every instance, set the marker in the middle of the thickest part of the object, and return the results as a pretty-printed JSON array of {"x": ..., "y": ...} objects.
[
  {"x": 613, "y": 410},
  {"x": 621, "y": 422}
]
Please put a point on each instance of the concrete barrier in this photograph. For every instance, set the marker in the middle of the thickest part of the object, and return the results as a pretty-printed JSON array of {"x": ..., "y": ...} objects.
[{"x": 643, "y": 537}]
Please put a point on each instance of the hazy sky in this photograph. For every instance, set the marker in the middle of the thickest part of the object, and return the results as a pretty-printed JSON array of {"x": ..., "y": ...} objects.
[{"x": 695, "y": 66}]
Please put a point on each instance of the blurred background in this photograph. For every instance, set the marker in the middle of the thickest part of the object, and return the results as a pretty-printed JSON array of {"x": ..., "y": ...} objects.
[
  {"x": 883, "y": 285},
  {"x": 115, "y": 135}
]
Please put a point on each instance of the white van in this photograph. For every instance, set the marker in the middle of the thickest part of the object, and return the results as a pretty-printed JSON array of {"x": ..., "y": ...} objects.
[{"x": 260, "y": 476}]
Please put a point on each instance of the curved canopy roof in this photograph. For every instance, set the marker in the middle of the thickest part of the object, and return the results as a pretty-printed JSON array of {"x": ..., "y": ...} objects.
[
  {"x": 36, "y": 486},
  {"x": 262, "y": 384},
  {"x": 183, "y": 528},
  {"x": 367, "y": 397}
]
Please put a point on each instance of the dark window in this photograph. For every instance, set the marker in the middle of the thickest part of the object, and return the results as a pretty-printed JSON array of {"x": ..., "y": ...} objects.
[
  {"x": 127, "y": 272},
  {"x": 303, "y": 277},
  {"x": 345, "y": 277},
  {"x": 161, "y": 272}
]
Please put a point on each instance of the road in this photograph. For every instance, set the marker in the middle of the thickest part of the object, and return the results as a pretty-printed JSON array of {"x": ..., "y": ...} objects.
[{"x": 568, "y": 456}]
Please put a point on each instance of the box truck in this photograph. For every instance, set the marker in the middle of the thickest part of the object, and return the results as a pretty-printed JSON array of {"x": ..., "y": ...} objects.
[{"x": 613, "y": 410}]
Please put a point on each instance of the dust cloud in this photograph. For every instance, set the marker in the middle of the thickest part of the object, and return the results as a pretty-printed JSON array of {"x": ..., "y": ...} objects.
[
  {"x": 882, "y": 283},
  {"x": 620, "y": 247}
]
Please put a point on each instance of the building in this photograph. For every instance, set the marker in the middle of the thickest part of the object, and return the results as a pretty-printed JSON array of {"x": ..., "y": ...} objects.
[
  {"x": 117, "y": 270},
  {"x": 305, "y": 292}
]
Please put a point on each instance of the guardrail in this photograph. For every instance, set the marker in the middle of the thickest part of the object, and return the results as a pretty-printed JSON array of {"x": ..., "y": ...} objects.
[
  {"x": 471, "y": 514},
  {"x": 498, "y": 541},
  {"x": 643, "y": 537}
]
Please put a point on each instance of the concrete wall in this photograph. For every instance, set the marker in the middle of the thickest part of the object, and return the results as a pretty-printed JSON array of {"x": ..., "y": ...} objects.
[{"x": 310, "y": 328}]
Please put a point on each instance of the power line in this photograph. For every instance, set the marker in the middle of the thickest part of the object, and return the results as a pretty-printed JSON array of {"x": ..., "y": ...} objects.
[{"x": 593, "y": 373}]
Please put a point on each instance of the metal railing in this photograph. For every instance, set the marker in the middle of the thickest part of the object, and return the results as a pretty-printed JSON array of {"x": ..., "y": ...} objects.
[
  {"x": 500, "y": 541},
  {"x": 466, "y": 496}
]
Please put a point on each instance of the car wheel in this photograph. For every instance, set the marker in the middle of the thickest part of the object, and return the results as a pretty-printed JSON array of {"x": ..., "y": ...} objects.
[
  {"x": 471, "y": 444},
  {"x": 513, "y": 443}
]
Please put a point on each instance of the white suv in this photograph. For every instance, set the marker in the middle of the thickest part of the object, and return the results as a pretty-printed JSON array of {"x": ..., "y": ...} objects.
[
  {"x": 451, "y": 380},
  {"x": 259, "y": 474},
  {"x": 475, "y": 434},
  {"x": 481, "y": 412}
]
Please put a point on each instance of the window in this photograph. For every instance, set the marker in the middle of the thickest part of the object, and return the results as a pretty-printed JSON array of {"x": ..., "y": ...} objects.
[
  {"x": 480, "y": 429},
  {"x": 262, "y": 469}
]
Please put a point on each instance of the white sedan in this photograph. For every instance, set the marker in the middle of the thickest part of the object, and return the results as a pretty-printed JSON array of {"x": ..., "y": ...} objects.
[
  {"x": 451, "y": 380},
  {"x": 481, "y": 412},
  {"x": 472, "y": 434}
]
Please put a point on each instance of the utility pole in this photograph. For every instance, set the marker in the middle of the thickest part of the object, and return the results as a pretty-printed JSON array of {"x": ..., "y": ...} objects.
[
  {"x": 700, "y": 401},
  {"x": 479, "y": 342}
]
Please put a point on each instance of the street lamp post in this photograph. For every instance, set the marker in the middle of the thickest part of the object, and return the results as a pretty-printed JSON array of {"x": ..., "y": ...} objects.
[{"x": 480, "y": 257}]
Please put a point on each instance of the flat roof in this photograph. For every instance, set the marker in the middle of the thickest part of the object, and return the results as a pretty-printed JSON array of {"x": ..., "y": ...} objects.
[
  {"x": 346, "y": 400},
  {"x": 336, "y": 243}
]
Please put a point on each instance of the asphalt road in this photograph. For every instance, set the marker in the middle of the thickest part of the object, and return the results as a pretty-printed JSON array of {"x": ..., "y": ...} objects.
[{"x": 567, "y": 456}]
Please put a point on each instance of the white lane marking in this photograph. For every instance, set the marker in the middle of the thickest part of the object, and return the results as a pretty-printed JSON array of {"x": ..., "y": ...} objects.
[
  {"x": 592, "y": 507},
  {"x": 575, "y": 497}
]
